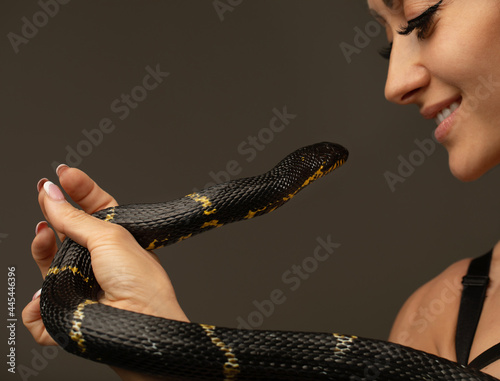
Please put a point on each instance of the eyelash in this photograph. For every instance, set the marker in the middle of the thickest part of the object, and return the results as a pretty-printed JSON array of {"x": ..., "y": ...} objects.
[
  {"x": 422, "y": 23},
  {"x": 386, "y": 52}
]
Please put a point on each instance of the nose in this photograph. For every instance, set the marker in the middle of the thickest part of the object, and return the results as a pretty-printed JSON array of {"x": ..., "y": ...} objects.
[{"x": 407, "y": 76}]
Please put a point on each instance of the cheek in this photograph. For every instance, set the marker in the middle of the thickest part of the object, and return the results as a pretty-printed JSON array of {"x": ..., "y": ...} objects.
[
  {"x": 466, "y": 58},
  {"x": 456, "y": 60},
  {"x": 466, "y": 44}
]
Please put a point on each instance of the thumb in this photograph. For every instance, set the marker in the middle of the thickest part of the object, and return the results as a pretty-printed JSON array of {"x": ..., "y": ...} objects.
[{"x": 70, "y": 221}]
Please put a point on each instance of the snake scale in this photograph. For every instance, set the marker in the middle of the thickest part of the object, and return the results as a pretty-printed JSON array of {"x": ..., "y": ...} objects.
[{"x": 191, "y": 351}]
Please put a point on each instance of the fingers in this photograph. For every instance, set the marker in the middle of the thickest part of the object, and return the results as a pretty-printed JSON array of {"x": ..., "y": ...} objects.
[
  {"x": 75, "y": 223},
  {"x": 83, "y": 190},
  {"x": 33, "y": 321},
  {"x": 91, "y": 198},
  {"x": 43, "y": 247}
]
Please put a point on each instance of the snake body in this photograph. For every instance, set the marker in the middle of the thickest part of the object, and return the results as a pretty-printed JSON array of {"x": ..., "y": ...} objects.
[{"x": 191, "y": 351}]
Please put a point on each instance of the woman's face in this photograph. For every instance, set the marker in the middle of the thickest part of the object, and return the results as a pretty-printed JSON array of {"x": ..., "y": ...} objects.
[{"x": 451, "y": 58}]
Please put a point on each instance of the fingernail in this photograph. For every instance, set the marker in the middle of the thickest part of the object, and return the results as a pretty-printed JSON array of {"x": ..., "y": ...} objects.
[
  {"x": 40, "y": 226},
  {"x": 37, "y": 294},
  {"x": 53, "y": 191},
  {"x": 40, "y": 184},
  {"x": 61, "y": 168}
]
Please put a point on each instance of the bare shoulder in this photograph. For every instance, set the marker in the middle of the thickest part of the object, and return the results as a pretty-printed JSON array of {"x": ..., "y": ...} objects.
[{"x": 428, "y": 318}]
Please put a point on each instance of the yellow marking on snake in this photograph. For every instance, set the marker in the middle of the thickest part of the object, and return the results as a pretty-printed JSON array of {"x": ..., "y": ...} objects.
[
  {"x": 185, "y": 237},
  {"x": 111, "y": 215},
  {"x": 231, "y": 366},
  {"x": 205, "y": 202},
  {"x": 345, "y": 337},
  {"x": 157, "y": 244},
  {"x": 251, "y": 214},
  {"x": 208, "y": 212},
  {"x": 76, "y": 333},
  {"x": 343, "y": 342},
  {"x": 152, "y": 245},
  {"x": 211, "y": 223},
  {"x": 316, "y": 175},
  {"x": 57, "y": 270}
]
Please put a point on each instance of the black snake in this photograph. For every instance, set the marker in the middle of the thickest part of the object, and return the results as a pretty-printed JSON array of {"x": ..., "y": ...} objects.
[{"x": 190, "y": 351}]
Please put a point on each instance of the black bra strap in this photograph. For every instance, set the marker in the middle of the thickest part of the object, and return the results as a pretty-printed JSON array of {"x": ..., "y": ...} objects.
[
  {"x": 474, "y": 292},
  {"x": 486, "y": 358}
]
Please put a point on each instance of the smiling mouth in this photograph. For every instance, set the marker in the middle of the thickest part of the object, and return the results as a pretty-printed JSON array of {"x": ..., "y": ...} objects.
[{"x": 446, "y": 112}]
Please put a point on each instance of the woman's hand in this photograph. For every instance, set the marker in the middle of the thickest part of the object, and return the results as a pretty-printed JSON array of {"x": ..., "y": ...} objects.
[{"x": 131, "y": 278}]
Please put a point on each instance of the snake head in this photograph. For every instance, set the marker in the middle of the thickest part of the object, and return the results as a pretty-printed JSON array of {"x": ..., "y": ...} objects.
[
  {"x": 312, "y": 162},
  {"x": 330, "y": 155}
]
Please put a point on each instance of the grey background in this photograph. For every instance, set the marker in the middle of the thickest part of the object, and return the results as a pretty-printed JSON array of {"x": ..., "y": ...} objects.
[{"x": 226, "y": 77}]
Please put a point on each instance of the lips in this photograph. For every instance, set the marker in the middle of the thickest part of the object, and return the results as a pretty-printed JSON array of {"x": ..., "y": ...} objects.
[
  {"x": 444, "y": 115},
  {"x": 431, "y": 112},
  {"x": 446, "y": 112}
]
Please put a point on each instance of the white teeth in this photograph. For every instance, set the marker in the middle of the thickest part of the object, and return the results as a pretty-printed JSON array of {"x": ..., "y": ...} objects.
[
  {"x": 445, "y": 113},
  {"x": 454, "y": 106}
]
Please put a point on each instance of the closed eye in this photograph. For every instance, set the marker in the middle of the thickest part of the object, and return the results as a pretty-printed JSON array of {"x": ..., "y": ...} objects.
[{"x": 422, "y": 22}]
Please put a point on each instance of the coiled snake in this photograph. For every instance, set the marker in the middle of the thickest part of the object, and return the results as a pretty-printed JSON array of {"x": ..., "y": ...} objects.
[{"x": 190, "y": 351}]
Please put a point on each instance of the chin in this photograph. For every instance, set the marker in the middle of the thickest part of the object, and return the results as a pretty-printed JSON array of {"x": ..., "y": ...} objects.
[
  {"x": 465, "y": 176},
  {"x": 468, "y": 169}
]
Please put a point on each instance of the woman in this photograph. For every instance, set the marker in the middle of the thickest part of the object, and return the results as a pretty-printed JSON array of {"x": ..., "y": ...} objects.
[
  {"x": 441, "y": 60},
  {"x": 443, "y": 57}
]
